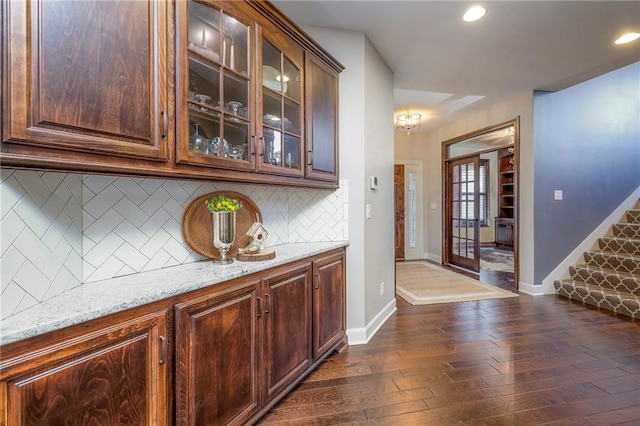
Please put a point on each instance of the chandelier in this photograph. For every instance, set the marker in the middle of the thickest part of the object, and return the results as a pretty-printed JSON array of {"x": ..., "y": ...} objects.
[{"x": 408, "y": 122}]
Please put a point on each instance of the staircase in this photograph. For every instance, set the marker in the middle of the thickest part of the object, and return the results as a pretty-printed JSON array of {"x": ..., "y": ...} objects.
[{"x": 610, "y": 277}]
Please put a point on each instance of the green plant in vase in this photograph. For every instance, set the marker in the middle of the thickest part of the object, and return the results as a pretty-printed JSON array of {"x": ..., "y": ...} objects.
[{"x": 223, "y": 210}]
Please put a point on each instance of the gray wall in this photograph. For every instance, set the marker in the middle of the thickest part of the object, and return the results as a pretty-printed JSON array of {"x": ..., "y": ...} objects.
[{"x": 587, "y": 144}]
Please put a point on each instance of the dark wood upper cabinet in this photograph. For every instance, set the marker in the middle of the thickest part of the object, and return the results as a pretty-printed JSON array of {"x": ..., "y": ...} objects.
[
  {"x": 87, "y": 76},
  {"x": 322, "y": 121},
  {"x": 213, "y": 90},
  {"x": 108, "y": 376}
]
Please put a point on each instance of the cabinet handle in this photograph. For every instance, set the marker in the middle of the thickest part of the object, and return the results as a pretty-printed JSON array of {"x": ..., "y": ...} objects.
[
  {"x": 263, "y": 147},
  {"x": 255, "y": 144},
  {"x": 163, "y": 350},
  {"x": 317, "y": 281},
  {"x": 309, "y": 158},
  {"x": 259, "y": 307},
  {"x": 165, "y": 124},
  {"x": 269, "y": 306}
]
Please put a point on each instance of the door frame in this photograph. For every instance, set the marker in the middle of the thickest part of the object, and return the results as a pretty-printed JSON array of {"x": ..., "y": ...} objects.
[{"x": 515, "y": 122}]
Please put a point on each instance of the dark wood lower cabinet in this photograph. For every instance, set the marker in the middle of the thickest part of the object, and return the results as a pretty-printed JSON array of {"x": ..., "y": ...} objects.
[
  {"x": 236, "y": 349},
  {"x": 109, "y": 376},
  {"x": 329, "y": 315},
  {"x": 217, "y": 357},
  {"x": 287, "y": 346}
]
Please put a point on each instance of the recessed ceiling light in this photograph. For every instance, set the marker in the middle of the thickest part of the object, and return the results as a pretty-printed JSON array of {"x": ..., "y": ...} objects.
[
  {"x": 474, "y": 13},
  {"x": 627, "y": 38}
]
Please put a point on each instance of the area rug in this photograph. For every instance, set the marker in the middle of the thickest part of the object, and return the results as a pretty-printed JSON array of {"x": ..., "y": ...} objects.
[
  {"x": 421, "y": 283},
  {"x": 495, "y": 259}
]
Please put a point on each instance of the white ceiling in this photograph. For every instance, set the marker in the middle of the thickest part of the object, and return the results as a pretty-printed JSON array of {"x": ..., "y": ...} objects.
[{"x": 445, "y": 67}]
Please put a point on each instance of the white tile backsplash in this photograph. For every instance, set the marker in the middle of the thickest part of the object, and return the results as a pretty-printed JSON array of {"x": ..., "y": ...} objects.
[
  {"x": 41, "y": 234},
  {"x": 61, "y": 230}
]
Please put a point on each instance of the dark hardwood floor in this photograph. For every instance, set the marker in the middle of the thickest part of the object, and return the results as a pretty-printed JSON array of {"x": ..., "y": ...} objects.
[{"x": 516, "y": 361}]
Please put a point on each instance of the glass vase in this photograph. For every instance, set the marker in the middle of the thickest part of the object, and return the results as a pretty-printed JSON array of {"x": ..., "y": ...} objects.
[{"x": 224, "y": 234}]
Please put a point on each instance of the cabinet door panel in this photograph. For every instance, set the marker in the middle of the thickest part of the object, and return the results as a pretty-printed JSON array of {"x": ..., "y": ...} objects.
[
  {"x": 322, "y": 117},
  {"x": 112, "y": 377},
  {"x": 288, "y": 327},
  {"x": 328, "y": 303},
  {"x": 216, "y": 360},
  {"x": 78, "y": 79}
]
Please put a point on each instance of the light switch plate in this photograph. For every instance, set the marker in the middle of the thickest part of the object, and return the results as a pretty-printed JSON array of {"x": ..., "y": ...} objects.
[{"x": 557, "y": 194}]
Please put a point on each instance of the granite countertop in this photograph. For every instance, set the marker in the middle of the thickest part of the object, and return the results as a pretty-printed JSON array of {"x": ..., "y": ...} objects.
[{"x": 100, "y": 298}]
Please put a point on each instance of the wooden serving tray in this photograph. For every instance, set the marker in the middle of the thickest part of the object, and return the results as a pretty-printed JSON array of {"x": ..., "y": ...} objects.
[{"x": 197, "y": 224}]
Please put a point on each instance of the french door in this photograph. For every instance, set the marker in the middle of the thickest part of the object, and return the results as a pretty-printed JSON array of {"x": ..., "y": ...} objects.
[{"x": 463, "y": 213}]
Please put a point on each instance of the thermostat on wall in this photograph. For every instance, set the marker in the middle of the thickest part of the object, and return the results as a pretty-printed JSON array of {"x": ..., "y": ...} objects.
[{"x": 373, "y": 182}]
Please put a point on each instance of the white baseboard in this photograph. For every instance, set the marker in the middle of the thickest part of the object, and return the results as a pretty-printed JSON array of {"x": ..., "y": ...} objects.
[
  {"x": 531, "y": 290},
  {"x": 361, "y": 336},
  {"x": 574, "y": 257},
  {"x": 433, "y": 257}
]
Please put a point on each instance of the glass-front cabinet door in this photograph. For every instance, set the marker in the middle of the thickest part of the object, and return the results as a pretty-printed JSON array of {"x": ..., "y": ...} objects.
[
  {"x": 280, "y": 108},
  {"x": 215, "y": 128}
]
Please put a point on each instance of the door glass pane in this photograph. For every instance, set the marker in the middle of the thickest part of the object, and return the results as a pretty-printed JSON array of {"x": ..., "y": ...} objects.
[
  {"x": 204, "y": 31},
  {"x": 271, "y": 109},
  {"x": 291, "y": 80},
  {"x": 455, "y": 246},
  {"x": 235, "y": 45},
  {"x": 456, "y": 174},
  {"x": 204, "y": 85},
  {"x": 237, "y": 136},
  {"x": 291, "y": 122},
  {"x": 272, "y": 149},
  {"x": 291, "y": 152},
  {"x": 236, "y": 93},
  {"x": 203, "y": 133}
]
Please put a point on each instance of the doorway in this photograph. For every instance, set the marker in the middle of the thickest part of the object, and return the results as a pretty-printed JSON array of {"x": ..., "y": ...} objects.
[{"x": 480, "y": 214}]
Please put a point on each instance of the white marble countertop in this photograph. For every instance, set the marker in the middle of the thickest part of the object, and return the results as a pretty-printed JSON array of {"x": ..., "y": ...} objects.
[{"x": 100, "y": 298}]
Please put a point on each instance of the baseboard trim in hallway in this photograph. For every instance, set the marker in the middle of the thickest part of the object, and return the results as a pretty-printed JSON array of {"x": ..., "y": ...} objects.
[{"x": 361, "y": 336}]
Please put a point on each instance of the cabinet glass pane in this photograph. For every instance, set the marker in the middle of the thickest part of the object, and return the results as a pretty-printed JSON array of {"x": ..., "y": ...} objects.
[
  {"x": 271, "y": 67},
  {"x": 236, "y": 140},
  {"x": 236, "y": 93},
  {"x": 235, "y": 45},
  {"x": 202, "y": 132},
  {"x": 291, "y": 77},
  {"x": 204, "y": 31},
  {"x": 271, "y": 109},
  {"x": 291, "y": 122},
  {"x": 272, "y": 148},
  {"x": 291, "y": 152},
  {"x": 204, "y": 85}
]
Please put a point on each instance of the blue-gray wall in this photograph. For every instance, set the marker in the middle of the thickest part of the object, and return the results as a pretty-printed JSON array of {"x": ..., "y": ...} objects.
[{"x": 586, "y": 143}]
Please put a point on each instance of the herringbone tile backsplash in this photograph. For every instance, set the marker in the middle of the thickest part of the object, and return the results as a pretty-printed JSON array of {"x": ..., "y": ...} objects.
[{"x": 62, "y": 230}]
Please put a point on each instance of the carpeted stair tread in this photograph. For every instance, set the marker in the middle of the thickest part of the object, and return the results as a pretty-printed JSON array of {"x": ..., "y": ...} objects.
[
  {"x": 620, "y": 245},
  {"x": 615, "y": 301},
  {"x": 633, "y": 216},
  {"x": 626, "y": 230},
  {"x": 625, "y": 283},
  {"x": 613, "y": 261}
]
